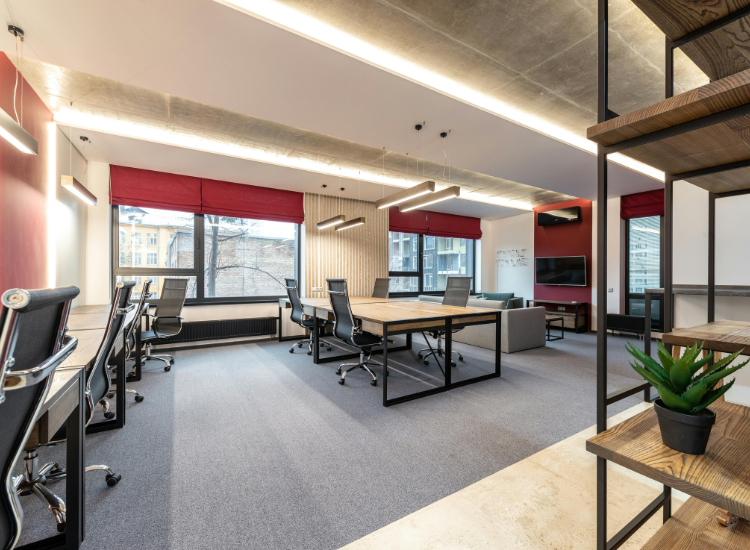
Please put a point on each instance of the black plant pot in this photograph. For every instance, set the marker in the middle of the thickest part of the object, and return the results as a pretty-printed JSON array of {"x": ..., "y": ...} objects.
[{"x": 684, "y": 432}]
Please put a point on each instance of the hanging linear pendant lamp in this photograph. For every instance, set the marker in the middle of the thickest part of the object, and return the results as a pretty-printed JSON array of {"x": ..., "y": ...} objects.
[
  {"x": 11, "y": 129},
  {"x": 406, "y": 194},
  {"x": 444, "y": 195},
  {"x": 356, "y": 221},
  {"x": 72, "y": 184},
  {"x": 336, "y": 220}
]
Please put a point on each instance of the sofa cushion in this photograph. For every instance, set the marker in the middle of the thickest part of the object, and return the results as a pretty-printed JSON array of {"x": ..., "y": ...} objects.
[
  {"x": 498, "y": 296},
  {"x": 514, "y": 303}
]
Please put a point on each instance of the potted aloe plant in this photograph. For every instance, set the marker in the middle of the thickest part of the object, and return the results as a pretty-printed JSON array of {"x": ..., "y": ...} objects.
[{"x": 684, "y": 418}]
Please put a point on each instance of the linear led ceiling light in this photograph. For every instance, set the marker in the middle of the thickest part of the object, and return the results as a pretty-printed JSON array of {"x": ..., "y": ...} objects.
[
  {"x": 290, "y": 19},
  {"x": 406, "y": 194},
  {"x": 336, "y": 220},
  {"x": 445, "y": 194},
  {"x": 78, "y": 189},
  {"x": 16, "y": 135},
  {"x": 351, "y": 223}
]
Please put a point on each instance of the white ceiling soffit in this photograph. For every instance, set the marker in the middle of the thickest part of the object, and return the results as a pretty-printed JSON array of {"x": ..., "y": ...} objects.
[
  {"x": 203, "y": 51},
  {"x": 113, "y": 107}
]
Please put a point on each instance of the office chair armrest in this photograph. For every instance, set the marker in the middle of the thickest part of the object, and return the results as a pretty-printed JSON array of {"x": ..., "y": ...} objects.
[
  {"x": 166, "y": 317},
  {"x": 126, "y": 309},
  {"x": 23, "y": 378}
]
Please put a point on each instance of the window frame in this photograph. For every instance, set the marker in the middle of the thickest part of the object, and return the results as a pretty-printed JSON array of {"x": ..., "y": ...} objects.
[
  {"x": 198, "y": 269},
  {"x": 656, "y": 301},
  {"x": 420, "y": 272}
]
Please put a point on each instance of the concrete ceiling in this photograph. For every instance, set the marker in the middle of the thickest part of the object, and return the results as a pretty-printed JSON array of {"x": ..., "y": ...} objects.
[{"x": 207, "y": 53}]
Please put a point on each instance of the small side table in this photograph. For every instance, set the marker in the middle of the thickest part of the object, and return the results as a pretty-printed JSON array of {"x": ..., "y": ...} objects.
[{"x": 551, "y": 319}]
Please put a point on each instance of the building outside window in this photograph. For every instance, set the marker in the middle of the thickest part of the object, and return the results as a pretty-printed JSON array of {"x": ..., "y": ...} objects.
[
  {"x": 644, "y": 266},
  {"x": 151, "y": 258},
  {"x": 136, "y": 239},
  {"x": 137, "y": 258},
  {"x": 151, "y": 239}
]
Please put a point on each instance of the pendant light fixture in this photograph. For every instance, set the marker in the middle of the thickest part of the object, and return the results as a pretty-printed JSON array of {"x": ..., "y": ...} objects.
[
  {"x": 72, "y": 184},
  {"x": 11, "y": 129},
  {"x": 336, "y": 220},
  {"x": 356, "y": 221},
  {"x": 445, "y": 194},
  {"x": 406, "y": 194}
]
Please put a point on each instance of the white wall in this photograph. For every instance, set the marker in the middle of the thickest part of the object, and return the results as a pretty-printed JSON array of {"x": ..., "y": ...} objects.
[
  {"x": 614, "y": 258},
  {"x": 69, "y": 219},
  {"x": 508, "y": 234},
  {"x": 732, "y": 263},
  {"x": 98, "y": 236}
]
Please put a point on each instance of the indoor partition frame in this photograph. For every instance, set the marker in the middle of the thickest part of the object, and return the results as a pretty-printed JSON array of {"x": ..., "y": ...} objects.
[{"x": 664, "y": 500}]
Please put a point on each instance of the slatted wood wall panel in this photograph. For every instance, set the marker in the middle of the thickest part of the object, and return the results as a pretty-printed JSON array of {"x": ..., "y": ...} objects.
[{"x": 359, "y": 254}]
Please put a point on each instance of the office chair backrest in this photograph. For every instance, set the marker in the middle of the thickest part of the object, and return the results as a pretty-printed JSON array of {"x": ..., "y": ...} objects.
[
  {"x": 381, "y": 288},
  {"x": 171, "y": 302},
  {"x": 292, "y": 293},
  {"x": 343, "y": 324},
  {"x": 121, "y": 315},
  {"x": 32, "y": 345},
  {"x": 457, "y": 291},
  {"x": 136, "y": 324}
]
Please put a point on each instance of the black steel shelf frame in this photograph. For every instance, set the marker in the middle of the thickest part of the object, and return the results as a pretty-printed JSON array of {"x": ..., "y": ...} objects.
[{"x": 604, "y": 399}]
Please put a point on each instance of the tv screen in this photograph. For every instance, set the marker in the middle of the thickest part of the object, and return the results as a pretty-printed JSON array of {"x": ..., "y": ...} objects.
[{"x": 562, "y": 270}]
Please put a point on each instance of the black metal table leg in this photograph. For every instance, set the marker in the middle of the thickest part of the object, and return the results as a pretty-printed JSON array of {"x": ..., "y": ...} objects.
[
  {"x": 385, "y": 364},
  {"x": 498, "y": 340},
  {"x": 314, "y": 336},
  {"x": 448, "y": 351},
  {"x": 280, "y": 335},
  {"x": 75, "y": 487},
  {"x": 121, "y": 378}
]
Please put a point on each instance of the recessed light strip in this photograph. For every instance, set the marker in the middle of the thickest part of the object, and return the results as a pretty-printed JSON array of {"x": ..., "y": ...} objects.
[
  {"x": 78, "y": 189},
  {"x": 287, "y": 18},
  {"x": 331, "y": 222},
  {"x": 406, "y": 194},
  {"x": 444, "y": 195},
  {"x": 16, "y": 135},
  {"x": 351, "y": 223}
]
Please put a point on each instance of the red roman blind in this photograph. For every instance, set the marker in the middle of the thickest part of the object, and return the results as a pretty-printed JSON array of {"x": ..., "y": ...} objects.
[
  {"x": 144, "y": 188},
  {"x": 642, "y": 205},
  {"x": 248, "y": 201},
  {"x": 450, "y": 225},
  {"x": 407, "y": 222}
]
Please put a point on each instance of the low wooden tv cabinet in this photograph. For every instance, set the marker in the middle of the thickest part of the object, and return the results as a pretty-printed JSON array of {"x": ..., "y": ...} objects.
[{"x": 577, "y": 319}]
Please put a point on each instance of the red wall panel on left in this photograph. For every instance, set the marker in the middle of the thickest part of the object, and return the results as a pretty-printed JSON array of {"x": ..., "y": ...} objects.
[{"x": 23, "y": 189}]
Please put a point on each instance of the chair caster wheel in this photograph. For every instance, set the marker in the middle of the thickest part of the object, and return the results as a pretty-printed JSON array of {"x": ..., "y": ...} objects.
[
  {"x": 338, "y": 372},
  {"x": 113, "y": 480},
  {"x": 110, "y": 395},
  {"x": 419, "y": 355},
  {"x": 60, "y": 527},
  {"x": 374, "y": 383},
  {"x": 109, "y": 415},
  {"x": 453, "y": 364},
  {"x": 299, "y": 346},
  {"x": 309, "y": 353},
  {"x": 460, "y": 358},
  {"x": 426, "y": 362},
  {"x": 329, "y": 349},
  {"x": 168, "y": 368},
  {"x": 138, "y": 398},
  {"x": 341, "y": 381},
  {"x": 291, "y": 350}
]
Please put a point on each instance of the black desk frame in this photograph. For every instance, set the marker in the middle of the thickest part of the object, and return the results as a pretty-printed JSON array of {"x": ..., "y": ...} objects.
[
  {"x": 119, "y": 420},
  {"x": 75, "y": 483}
]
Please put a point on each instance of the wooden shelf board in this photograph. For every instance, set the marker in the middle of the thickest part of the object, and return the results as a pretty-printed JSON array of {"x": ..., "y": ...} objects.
[
  {"x": 694, "y": 527},
  {"x": 718, "y": 54},
  {"x": 720, "y": 477},
  {"x": 715, "y": 145},
  {"x": 702, "y": 290},
  {"x": 725, "y": 336}
]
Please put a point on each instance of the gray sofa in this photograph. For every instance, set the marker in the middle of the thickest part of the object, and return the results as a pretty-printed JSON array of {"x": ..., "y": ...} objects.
[{"x": 521, "y": 329}]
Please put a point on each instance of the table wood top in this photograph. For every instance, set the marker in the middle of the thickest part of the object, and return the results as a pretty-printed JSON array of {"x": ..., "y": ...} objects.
[
  {"x": 413, "y": 311},
  {"x": 725, "y": 336},
  {"x": 88, "y": 321},
  {"x": 694, "y": 527},
  {"x": 88, "y": 344},
  {"x": 100, "y": 308},
  {"x": 720, "y": 477},
  {"x": 325, "y": 303}
]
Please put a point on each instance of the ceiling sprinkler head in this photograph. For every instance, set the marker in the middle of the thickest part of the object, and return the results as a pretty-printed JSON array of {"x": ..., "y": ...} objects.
[
  {"x": 443, "y": 135},
  {"x": 418, "y": 127}
]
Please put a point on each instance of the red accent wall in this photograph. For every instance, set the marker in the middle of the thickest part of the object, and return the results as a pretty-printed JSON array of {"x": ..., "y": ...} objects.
[
  {"x": 23, "y": 189},
  {"x": 570, "y": 239}
]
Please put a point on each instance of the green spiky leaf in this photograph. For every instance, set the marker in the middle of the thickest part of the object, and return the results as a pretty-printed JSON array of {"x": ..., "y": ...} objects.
[
  {"x": 647, "y": 376},
  {"x": 674, "y": 401},
  {"x": 692, "y": 353},
  {"x": 680, "y": 376},
  {"x": 718, "y": 366},
  {"x": 695, "y": 394},
  {"x": 712, "y": 396},
  {"x": 664, "y": 356},
  {"x": 652, "y": 366},
  {"x": 695, "y": 367},
  {"x": 711, "y": 379}
]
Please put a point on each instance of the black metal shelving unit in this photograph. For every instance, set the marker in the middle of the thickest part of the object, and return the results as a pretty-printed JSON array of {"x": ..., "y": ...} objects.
[{"x": 663, "y": 501}]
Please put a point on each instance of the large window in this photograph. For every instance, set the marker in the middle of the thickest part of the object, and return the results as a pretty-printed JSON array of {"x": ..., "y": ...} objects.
[
  {"x": 225, "y": 259},
  {"x": 644, "y": 267},
  {"x": 441, "y": 257}
]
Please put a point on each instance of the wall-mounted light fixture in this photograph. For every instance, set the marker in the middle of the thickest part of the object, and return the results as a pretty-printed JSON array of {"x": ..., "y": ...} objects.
[
  {"x": 445, "y": 194},
  {"x": 351, "y": 223},
  {"x": 336, "y": 220},
  {"x": 406, "y": 194},
  {"x": 78, "y": 189}
]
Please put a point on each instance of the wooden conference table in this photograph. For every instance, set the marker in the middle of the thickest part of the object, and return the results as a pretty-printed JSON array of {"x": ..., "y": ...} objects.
[{"x": 388, "y": 317}]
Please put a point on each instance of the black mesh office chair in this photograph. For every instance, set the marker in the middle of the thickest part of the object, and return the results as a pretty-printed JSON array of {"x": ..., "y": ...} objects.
[
  {"x": 130, "y": 351},
  {"x": 166, "y": 320},
  {"x": 298, "y": 316},
  {"x": 32, "y": 345},
  {"x": 457, "y": 291},
  {"x": 346, "y": 330},
  {"x": 98, "y": 384},
  {"x": 381, "y": 288}
]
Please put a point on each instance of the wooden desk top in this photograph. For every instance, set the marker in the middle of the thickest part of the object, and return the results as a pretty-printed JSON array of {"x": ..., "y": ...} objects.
[
  {"x": 61, "y": 400},
  {"x": 726, "y": 336},
  {"x": 85, "y": 353},
  {"x": 325, "y": 303},
  {"x": 101, "y": 308},
  {"x": 88, "y": 321},
  {"x": 720, "y": 477}
]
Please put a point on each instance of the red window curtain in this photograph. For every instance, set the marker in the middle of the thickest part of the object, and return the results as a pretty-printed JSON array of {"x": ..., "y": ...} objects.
[
  {"x": 642, "y": 205},
  {"x": 450, "y": 225},
  {"x": 144, "y": 188},
  {"x": 407, "y": 222},
  {"x": 248, "y": 201}
]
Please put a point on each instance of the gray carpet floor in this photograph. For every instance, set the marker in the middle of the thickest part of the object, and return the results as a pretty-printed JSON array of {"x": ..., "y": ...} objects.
[{"x": 249, "y": 447}]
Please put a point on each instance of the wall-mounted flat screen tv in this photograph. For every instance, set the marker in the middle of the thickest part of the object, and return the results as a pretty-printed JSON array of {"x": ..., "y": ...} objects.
[
  {"x": 561, "y": 270},
  {"x": 557, "y": 217}
]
